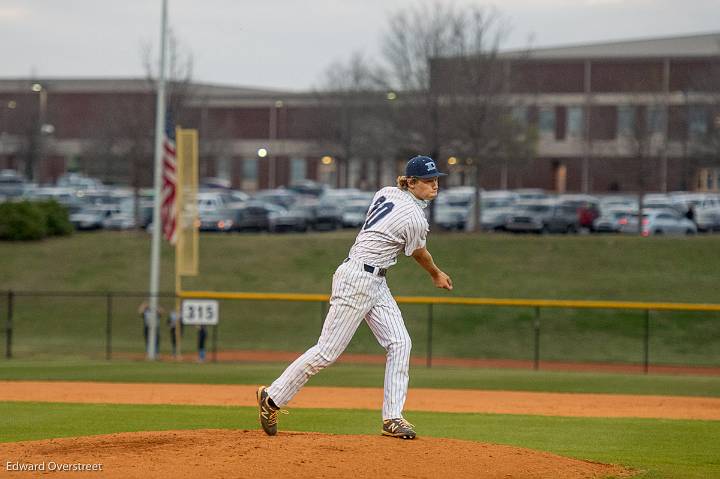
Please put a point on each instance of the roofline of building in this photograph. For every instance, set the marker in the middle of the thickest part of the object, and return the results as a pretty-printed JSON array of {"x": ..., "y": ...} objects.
[
  {"x": 139, "y": 84},
  {"x": 537, "y": 51}
]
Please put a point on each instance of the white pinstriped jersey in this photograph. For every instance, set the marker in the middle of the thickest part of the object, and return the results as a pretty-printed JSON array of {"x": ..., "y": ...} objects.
[{"x": 395, "y": 223}]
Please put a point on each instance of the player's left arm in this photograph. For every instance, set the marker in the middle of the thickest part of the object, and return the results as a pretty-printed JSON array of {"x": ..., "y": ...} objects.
[{"x": 425, "y": 259}]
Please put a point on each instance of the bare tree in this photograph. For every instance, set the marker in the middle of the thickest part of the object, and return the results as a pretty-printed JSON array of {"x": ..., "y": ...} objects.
[
  {"x": 702, "y": 118},
  {"x": 414, "y": 37},
  {"x": 125, "y": 132},
  {"x": 354, "y": 121}
]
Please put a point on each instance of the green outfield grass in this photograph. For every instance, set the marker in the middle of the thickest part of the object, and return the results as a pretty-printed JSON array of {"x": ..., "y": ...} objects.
[
  {"x": 361, "y": 376},
  {"x": 662, "y": 449},
  {"x": 555, "y": 267}
]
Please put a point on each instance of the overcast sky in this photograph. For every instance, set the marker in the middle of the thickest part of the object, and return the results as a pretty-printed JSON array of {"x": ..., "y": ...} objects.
[{"x": 289, "y": 43}]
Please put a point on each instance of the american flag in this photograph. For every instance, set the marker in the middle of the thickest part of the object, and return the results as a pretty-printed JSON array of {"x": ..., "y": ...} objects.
[{"x": 168, "y": 211}]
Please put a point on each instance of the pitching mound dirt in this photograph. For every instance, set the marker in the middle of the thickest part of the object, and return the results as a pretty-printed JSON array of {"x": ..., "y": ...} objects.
[{"x": 251, "y": 454}]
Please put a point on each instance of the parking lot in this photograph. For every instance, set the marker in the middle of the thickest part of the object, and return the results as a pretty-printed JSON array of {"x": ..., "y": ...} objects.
[{"x": 308, "y": 206}]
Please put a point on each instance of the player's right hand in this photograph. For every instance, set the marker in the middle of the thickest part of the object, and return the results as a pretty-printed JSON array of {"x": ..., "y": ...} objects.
[{"x": 442, "y": 280}]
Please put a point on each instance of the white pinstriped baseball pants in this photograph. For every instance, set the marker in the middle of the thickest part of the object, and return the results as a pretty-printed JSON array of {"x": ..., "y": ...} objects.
[{"x": 356, "y": 295}]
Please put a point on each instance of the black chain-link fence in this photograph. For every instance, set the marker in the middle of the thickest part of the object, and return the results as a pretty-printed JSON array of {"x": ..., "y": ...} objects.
[{"x": 110, "y": 325}]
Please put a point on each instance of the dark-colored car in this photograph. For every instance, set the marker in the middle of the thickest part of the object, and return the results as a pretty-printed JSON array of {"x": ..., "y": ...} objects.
[
  {"x": 297, "y": 218},
  {"x": 543, "y": 217},
  {"x": 255, "y": 216},
  {"x": 587, "y": 208},
  {"x": 328, "y": 217},
  {"x": 279, "y": 196}
]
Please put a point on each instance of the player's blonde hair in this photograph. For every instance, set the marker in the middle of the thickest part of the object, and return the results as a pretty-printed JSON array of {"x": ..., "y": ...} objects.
[{"x": 404, "y": 181}]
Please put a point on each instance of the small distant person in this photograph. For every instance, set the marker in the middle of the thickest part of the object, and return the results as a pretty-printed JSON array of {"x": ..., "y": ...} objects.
[
  {"x": 690, "y": 213},
  {"x": 202, "y": 336},
  {"x": 146, "y": 315},
  {"x": 173, "y": 320}
]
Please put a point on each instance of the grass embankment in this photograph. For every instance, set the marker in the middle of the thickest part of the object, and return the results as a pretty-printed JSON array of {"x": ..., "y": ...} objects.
[{"x": 585, "y": 267}]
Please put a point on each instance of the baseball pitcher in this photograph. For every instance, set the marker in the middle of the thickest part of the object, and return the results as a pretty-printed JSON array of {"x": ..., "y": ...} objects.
[{"x": 395, "y": 223}]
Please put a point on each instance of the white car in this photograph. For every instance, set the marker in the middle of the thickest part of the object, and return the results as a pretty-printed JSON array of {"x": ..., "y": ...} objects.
[
  {"x": 612, "y": 220},
  {"x": 354, "y": 213},
  {"x": 659, "y": 222},
  {"x": 708, "y": 219}
]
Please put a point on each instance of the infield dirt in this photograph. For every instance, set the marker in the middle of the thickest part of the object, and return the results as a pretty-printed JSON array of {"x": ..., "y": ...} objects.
[
  {"x": 251, "y": 454},
  {"x": 419, "y": 399},
  {"x": 241, "y": 453}
]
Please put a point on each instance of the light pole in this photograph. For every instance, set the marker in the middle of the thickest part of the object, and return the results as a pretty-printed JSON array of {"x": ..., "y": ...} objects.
[
  {"x": 263, "y": 153},
  {"x": 37, "y": 156},
  {"x": 273, "y": 134}
]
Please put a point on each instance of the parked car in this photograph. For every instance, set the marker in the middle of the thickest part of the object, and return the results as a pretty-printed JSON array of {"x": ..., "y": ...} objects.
[
  {"x": 616, "y": 202},
  {"x": 354, "y": 213},
  {"x": 216, "y": 220},
  {"x": 495, "y": 218},
  {"x": 661, "y": 201},
  {"x": 93, "y": 217},
  {"x": 530, "y": 194},
  {"x": 586, "y": 206},
  {"x": 213, "y": 212},
  {"x": 64, "y": 196},
  {"x": 449, "y": 217},
  {"x": 707, "y": 219},
  {"x": 279, "y": 196},
  {"x": 338, "y": 196},
  {"x": 611, "y": 220},
  {"x": 328, "y": 216},
  {"x": 254, "y": 216},
  {"x": 459, "y": 196},
  {"x": 12, "y": 183},
  {"x": 296, "y": 218},
  {"x": 308, "y": 188},
  {"x": 120, "y": 221},
  {"x": 77, "y": 181},
  {"x": 660, "y": 222},
  {"x": 543, "y": 217}
]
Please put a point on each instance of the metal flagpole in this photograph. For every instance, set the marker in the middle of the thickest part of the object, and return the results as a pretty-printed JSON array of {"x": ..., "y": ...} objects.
[{"x": 157, "y": 227}]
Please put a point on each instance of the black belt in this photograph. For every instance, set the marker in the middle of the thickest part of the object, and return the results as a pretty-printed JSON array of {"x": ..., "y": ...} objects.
[{"x": 371, "y": 269}]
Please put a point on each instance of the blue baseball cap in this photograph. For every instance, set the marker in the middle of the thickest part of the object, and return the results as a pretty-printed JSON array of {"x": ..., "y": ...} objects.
[{"x": 422, "y": 167}]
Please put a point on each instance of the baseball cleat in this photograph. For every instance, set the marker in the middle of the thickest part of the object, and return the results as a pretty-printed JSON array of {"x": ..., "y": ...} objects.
[
  {"x": 398, "y": 427},
  {"x": 267, "y": 412}
]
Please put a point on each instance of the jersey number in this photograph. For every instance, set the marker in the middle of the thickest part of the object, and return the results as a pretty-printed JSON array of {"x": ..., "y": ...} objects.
[{"x": 378, "y": 211}]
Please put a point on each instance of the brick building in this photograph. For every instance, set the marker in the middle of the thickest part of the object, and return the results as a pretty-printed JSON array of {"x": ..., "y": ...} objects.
[
  {"x": 586, "y": 103},
  {"x": 616, "y": 116}
]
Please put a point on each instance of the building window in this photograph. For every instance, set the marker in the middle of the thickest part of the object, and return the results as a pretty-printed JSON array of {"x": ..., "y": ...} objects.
[
  {"x": 626, "y": 120},
  {"x": 547, "y": 121},
  {"x": 697, "y": 121},
  {"x": 519, "y": 115},
  {"x": 708, "y": 179},
  {"x": 298, "y": 169},
  {"x": 656, "y": 119},
  {"x": 224, "y": 165},
  {"x": 574, "y": 121},
  {"x": 250, "y": 169}
]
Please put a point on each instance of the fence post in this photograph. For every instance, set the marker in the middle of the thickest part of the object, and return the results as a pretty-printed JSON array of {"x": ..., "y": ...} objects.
[
  {"x": 646, "y": 345},
  {"x": 108, "y": 327},
  {"x": 536, "y": 326},
  {"x": 429, "y": 336},
  {"x": 214, "y": 342},
  {"x": 9, "y": 326}
]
